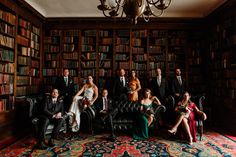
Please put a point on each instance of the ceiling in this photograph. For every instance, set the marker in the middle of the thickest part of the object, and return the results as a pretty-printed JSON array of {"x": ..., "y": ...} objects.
[{"x": 88, "y": 8}]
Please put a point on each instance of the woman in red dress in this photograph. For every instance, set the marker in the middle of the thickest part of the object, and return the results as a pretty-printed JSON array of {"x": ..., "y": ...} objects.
[{"x": 187, "y": 114}]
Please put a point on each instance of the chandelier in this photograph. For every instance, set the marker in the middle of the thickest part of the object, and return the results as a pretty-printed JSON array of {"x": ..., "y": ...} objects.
[{"x": 133, "y": 8}]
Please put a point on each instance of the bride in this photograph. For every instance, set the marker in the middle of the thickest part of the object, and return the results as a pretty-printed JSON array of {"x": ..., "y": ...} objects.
[{"x": 90, "y": 94}]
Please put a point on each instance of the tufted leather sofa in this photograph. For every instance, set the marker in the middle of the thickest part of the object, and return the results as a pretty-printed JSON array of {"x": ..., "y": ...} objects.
[{"x": 124, "y": 115}]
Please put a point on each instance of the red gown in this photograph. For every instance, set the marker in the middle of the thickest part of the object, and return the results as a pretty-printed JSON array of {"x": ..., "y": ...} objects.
[{"x": 191, "y": 123}]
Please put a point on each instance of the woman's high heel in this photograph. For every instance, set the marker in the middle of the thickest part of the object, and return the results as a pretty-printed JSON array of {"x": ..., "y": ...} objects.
[
  {"x": 190, "y": 141},
  {"x": 173, "y": 131}
]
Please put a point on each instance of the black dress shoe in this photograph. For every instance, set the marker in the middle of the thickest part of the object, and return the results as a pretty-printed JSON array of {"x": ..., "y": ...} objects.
[
  {"x": 41, "y": 146},
  {"x": 51, "y": 143}
]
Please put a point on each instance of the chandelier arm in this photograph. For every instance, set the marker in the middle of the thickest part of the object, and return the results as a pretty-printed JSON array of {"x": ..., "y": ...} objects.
[
  {"x": 146, "y": 18},
  {"x": 152, "y": 2},
  {"x": 157, "y": 15}
]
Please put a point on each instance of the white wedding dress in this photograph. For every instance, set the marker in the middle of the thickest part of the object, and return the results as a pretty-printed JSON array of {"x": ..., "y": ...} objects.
[{"x": 75, "y": 108}]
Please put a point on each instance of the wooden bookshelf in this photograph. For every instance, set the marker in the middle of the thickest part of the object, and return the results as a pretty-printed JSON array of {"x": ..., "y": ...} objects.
[
  {"x": 70, "y": 54},
  {"x": 7, "y": 59},
  {"x": 52, "y": 57},
  {"x": 157, "y": 51}
]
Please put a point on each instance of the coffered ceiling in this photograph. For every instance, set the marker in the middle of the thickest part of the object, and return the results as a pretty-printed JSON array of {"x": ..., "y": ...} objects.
[{"x": 88, "y": 8}]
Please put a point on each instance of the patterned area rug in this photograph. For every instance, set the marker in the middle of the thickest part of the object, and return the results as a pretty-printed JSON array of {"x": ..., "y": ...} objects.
[{"x": 213, "y": 144}]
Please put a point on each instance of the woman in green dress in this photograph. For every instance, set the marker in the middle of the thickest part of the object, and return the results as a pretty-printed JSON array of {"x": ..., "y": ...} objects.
[{"x": 146, "y": 115}]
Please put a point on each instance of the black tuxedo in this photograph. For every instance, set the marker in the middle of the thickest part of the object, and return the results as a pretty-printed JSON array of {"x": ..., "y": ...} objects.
[
  {"x": 176, "y": 87},
  {"x": 99, "y": 106},
  {"x": 67, "y": 91},
  {"x": 46, "y": 118},
  {"x": 108, "y": 116},
  {"x": 119, "y": 90},
  {"x": 159, "y": 91}
]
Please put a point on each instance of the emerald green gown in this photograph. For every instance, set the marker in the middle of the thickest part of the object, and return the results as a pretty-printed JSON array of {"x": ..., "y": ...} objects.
[{"x": 140, "y": 131}]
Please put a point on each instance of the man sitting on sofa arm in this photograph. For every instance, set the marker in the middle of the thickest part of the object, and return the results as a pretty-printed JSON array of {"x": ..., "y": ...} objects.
[
  {"x": 52, "y": 114},
  {"x": 105, "y": 111}
]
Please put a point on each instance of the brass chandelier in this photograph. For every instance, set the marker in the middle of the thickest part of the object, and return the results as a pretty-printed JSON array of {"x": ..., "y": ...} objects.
[{"x": 133, "y": 8}]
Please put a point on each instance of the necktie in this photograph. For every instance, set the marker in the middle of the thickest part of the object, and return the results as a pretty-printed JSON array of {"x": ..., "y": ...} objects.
[
  {"x": 159, "y": 81},
  {"x": 66, "y": 80},
  {"x": 105, "y": 104},
  {"x": 123, "y": 81},
  {"x": 180, "y": 81}
]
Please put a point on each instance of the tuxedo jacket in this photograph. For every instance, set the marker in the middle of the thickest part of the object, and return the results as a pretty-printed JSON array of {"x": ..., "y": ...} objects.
[
  {"x": 65, "y": 91},
  {"x": 51, "y": 109},
  {"x": 159, "y": 91},
  {"x": 118, "y": 87},
  {"x": 99, "y": 104},
  {"x": 178, "y": 88}
]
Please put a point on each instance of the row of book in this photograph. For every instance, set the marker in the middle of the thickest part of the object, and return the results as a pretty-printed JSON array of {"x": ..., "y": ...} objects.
[
  {"x": 27, "y": 90},
  {"x": 124, "y": 65},
  {"x": 139, "y": 66},
  {"x": 22, "y": 40},
  {"x": 156, "y": 49},
  {"x": 154, "y": 65},
  {"x": 87, "y": 72},
  {"x": 138, "y": 50},
  {"x": 106, "y": 41},
  {"x": 23, "y": 70},
  {"x": 7, "y": 67},
  {"x": 156, "y": 58},
  {"x": 52, "y": 40},
  {"x": 103, "y": 56},
  {"x": 70, "y": 64},
  {"x": 122, "y": 48},
  {"x": 122, "y": 41},
  {"x": 53, "y": 56},
  {"x": 6, "y": 55},
  {"x": 51, "y": 48},
  {"x": 88, "y": 64},
  {"x": 140, "y": 33},
  {"x": 34, "y": 72},
  {"x": 88, "y": 55},
  {"x": 195, "y": 61},
  {"x": 8, "y": 29},
  {"x": 136, "y": 42},
  {"x": 71, "y": 32},
  {"x": 7, "y": 41},
  {"x": 50, "y": 72},
  {"x": 24, "y": 23},
  {"x": 142, "y": 57},
  {"x": 6, "y": 79},
  {"x": 177, "y": 41},
  {"x": 105, "y": 33},
  {"x": 52, "y": 64},
  {"x": 73, "y": 55},
  {"x": 69, "y": 47},
  {"x": 6, "y": 104},
  {"x": 105, "y": 72},
  {"x": 25, "y": 51},
  {"x": 34, "y": 53},
  {"x": 90, "y": 33},
  {"x": 105, "y": 49},
  {"x": 22, "y": 80},
  {"x": 157, "y": 33},
  {"x": 70, "y": 39},
  {"x": 35, "y": 63},
  {"x": 6, "y": 89},
  {"x": 105, "y": 64},
  {"x": 88, "y": 48},
  {"x": 24, "y": 32},
  {"x": 35, "y": 37},
  {"x": 88, "y": 40},
  {"x": 35, "y": 81},
  {"x": 22, "y": 60},
  {"x": 124, "y": 57},
  {"x": 35, "y": 30},
  {"x": 8, "y": 17}
]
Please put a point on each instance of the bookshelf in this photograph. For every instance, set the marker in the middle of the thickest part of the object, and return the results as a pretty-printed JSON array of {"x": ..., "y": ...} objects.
[
  {"x": 122, "y": 49},
  {"x": 52, "y": 57},
  {"x": 105, "y": 57},
  {"x": 176, "y": 57},
  {"x": 89, "y": 57},
  {"x": 7, "y": 59},
  {"x": 28, "y": 58},
  {"x": 70, "y": 54},
  {"x": 195, "y": 63},
  {"x": 157, "y": 51}
]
